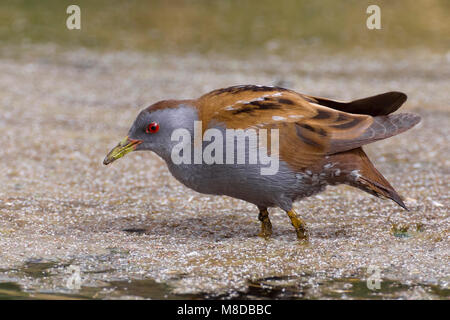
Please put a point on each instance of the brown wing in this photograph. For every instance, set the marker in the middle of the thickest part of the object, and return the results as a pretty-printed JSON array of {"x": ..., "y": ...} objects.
[
  {"x": 243, "y": 107},
  {"x": 307, "y": 131}
]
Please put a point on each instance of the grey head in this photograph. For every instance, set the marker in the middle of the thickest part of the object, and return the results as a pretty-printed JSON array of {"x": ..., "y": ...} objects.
[{"x": 153, "y": 127}]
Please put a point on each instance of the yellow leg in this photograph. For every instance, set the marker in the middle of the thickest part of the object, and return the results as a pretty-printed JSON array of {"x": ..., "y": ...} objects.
[
  {"x": 266, "y": 225},
  {"x": 298, "y": 224}
]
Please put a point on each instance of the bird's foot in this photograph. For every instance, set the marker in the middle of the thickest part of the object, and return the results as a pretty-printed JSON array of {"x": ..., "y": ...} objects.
[
  {"x": 302, "y": 234},
  {"x": 299, "y": 225},
  {"x": 266, "y": 225},
  {"x": 266, "y": 230}
]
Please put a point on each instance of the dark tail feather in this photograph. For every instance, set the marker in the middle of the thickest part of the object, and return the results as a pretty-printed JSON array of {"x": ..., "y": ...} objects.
[
  {"x": 381, "y": 191},
  {"x": 362, "y": 174},
  {"x": 379, "y": 105},
  {"x": 371, "y": 180}
]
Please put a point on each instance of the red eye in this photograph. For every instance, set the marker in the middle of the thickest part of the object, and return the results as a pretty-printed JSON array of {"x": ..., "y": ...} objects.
[{"x": 152, "y": 127}]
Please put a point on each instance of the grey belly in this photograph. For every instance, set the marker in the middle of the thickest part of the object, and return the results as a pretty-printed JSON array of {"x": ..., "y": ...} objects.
[{"x": 245, "y": 182}]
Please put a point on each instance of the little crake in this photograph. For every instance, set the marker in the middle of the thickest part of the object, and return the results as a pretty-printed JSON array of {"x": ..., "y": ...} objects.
[{"x": 320, "y": 144}]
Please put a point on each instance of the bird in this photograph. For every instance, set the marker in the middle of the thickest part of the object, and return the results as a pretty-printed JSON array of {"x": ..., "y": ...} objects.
[{"x": 320, "y": 143}]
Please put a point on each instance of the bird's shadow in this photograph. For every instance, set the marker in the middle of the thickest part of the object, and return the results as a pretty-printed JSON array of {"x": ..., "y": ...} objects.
[{"x": 214, "y": 228}]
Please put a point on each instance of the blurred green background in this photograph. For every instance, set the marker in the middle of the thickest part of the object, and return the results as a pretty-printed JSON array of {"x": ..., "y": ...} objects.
[{"x": 229, "y": 27}]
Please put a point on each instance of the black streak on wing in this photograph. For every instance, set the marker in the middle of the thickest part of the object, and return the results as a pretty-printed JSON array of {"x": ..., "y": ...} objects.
[
  {"x": 347, "y": 125},
  {"x": 244, "y": 110},
  {"x": 299, "y": 129},
  {"x": 322, "y": 114},
  {"x": 341, "y": 117},
  {"x": 285, "y": 101},
  {"x": 306, "y": 126},
  {"x": 320, "y": 131},
  {"x": 265, "y": 105},
  {"x": 253, "y": 88}
]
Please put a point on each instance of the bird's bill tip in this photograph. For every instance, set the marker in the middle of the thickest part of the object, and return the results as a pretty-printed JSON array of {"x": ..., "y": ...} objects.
[{"x": 125, "y": 146}]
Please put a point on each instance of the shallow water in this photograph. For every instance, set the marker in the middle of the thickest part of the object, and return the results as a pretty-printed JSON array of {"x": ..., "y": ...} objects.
[{"x": 305, "y": 287}]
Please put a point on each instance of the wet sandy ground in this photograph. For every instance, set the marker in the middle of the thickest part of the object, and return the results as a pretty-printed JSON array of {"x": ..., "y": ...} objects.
[{"x": 60, "y": 207}]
